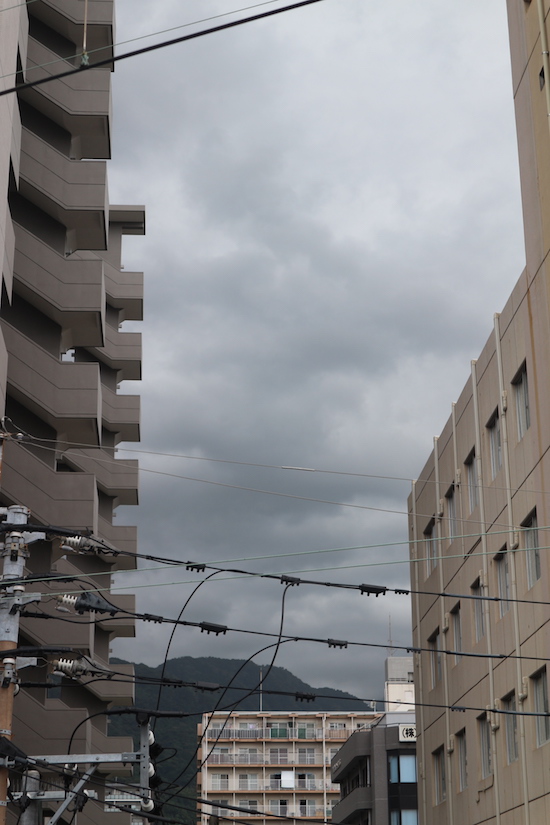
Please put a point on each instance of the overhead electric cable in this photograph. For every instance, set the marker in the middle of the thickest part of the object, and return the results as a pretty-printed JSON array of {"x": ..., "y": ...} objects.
[{"x": 156, "y": 46}]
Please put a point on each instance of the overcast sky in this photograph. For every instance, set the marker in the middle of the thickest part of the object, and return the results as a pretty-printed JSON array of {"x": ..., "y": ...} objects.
[{"x": 333, "y": 217}]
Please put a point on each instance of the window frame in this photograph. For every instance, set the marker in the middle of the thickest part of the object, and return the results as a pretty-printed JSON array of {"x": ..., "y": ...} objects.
[
  {"x": 485, "y": 746},
  {"x": 462, "y": 750},
  {"x": 396, "y": 768},
  {"x": 503, "y": 580},
  {"x": 479, "y": 609},
  {"x": 436, "y": 656},
  {"x": 532, "y": 549},
  {"x": 472, "y": 480},
  {"x": 457, "y": 632},
  {"x": 452, "y": 520},
  {"x": 219, "y": 781},
  {"x": 440, "y": 781},
  {"x": 521, "y": 391},
  {"x": 495, "y": 443},
  {"x": 431, "y": 545},
  {"x": 540, "y": 700},
  {"x": 511, "y": 727}
]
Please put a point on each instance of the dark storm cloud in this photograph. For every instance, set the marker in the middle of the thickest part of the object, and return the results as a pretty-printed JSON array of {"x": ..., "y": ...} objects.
[{"x": 333, "y": 217}]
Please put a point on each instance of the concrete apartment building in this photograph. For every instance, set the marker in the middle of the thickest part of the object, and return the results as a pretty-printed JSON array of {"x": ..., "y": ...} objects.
[
  {"x": 62, "y": 354},
  {"x": 376, "y": 767},
  {"x": 479, "y": 517},
  {"x": 274, "y": 762}
]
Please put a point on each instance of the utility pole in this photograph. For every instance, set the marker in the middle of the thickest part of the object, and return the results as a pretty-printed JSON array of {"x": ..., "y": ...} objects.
[
  {"x": 32, "y": 814},
  {"x": 14, "y": 553}
]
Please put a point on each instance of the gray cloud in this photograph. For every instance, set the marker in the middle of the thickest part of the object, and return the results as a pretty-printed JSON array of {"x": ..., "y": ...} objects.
[{"x": 333, "y": 217}]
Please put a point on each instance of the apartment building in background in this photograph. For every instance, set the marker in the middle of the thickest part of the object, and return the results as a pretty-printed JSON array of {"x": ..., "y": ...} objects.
[
  {"x": 63, "y": 354},
  {"x": 479, "y": 517},
  {"x": 274, "y": 763}
]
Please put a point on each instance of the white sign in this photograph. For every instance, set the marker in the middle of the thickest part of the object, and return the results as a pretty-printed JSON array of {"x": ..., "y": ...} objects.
[{"x": 407, "y": 733}]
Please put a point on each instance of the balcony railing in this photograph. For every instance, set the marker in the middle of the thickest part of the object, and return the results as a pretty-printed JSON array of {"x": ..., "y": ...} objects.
[
  {"x": 293, "y": 734},
  {"x": 267, "y": 759}
]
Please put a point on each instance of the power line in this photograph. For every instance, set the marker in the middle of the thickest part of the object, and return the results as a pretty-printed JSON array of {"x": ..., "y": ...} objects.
[{"x": 156, "y": 46}]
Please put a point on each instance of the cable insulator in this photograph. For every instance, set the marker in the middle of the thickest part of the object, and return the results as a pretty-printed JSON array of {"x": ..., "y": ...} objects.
[
  {"x": 74, "y": 542},
  {"x": 70, "y": 667},
  {"x": 65, "y": 600},
  {"x": 147, "y": 805}
]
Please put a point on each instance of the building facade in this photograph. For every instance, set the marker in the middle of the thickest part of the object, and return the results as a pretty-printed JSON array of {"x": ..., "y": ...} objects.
[
  {"x": 479, "y": 517},
  {"x": 274, "y": 763},
  {"x": 376, "y": 767},
  {"x": 63, "y": 355},
  {"x": 376, "y": 772}
]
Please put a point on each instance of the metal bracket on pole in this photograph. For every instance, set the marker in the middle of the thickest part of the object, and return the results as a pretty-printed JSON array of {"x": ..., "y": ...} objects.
[{"x": 72, "y": 794}]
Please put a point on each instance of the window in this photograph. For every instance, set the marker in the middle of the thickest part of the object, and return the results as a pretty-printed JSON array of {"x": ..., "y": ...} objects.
[
  {"x": 479, "y": 611},
  {"x": 219, "y": 806},
  {"x": 503, "y": 576},
  {"x": 307, "y": 807},
  {"x": 278, "y": 756},
  {"x": 220, "y": 781},
  {"x": 540, "y": 686},
  {"x": 434, "y": 643},
  {"x": 457, "y": 632},
  {"x": 484, "y": 727},
  {"x": 248, "y": 756},
  {"x": 494, "y": 440},
  {"x": 440, "y": 785},
  {"x": 278, "y": 806},
  {"x": 532, "y": 552},
  {"x": 522, "y": 401},
  {"x": 306, "y": 756},
  {"x": 219, "y": 755},
  {"x": 402, "y": 767},
  {"x": 430, "y": 538},
  {"x": 451, "y": 513},
  {"x": 306, "y": 781},
  {"x": 471, "y": 479},
  {"x": 405, "y": 817},
  {"x": 249, "y": 804},
  {"x": 511, "y": 726},
  {"x": 248, "y": 781},
  {"x": 462, "y": 760}
]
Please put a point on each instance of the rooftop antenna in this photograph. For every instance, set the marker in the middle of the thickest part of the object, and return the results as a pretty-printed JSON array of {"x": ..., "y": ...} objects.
[
  {"x": 261, "y": 686},
  {"x": 390, "y": 640}
]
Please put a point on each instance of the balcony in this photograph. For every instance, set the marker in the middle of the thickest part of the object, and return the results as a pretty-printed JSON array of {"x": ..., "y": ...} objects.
[
  {"x": 121, "y": 352},
  {"x": 70, "y": 291},
  {"x": 266, "y": 759},
  {"x": 73, "y": 192},
  {"x": 293, "y": 734},
  {"x": 80, "y": 103},
  {"x": 121, "y": 414},
  {"x": 64, "y": 499},
  {"x": 119, "y": 691},
  {"x": 299, "y": 785},
  {"x": 116, "y": 477},
  {"x": 67, "y": 18},
  {"x": 122, "y": 537},
  {"x": 67, "y": 396},
  {"x": 125, "y": 291},
  {"x": 346, "y": 810}
]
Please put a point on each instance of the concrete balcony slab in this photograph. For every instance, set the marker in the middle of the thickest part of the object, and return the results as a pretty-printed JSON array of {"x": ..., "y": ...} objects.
[
  {"x": 74, "y": 193},
  {"x": 80, "y": 103},
  {"x": 67, "y": 396},
  {"x": 70, "y": 291}
]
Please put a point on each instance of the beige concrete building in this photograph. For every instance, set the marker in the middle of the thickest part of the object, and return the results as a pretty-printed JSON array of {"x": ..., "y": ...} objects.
[
  {"x": 479, "y": 517},
  {"x": 62, "y": 352},
  {"x": 274, "y": 762}
]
